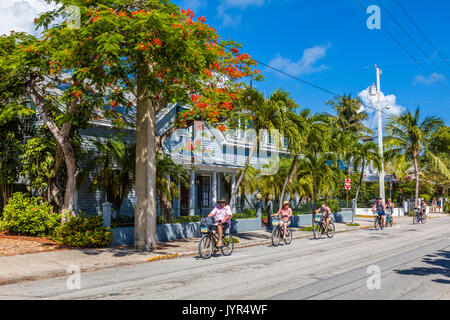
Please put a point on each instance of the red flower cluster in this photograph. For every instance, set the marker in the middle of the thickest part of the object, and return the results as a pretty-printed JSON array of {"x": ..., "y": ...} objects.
[
  {"x": 228, "y": 105},
  {"x": 202, "y": 19}
]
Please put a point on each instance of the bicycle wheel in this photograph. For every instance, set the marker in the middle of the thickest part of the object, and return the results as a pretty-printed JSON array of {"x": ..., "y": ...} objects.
[
  {"x": 228, "y": 245},
  {"x": 317, "y": 230},
  {"x": 415, "y": 220},
  {"x": 424, "y": 219},
  {"x": 331, "y": 230},
  {"x": 377, "y": 223},
  {"x": 288, "y": 239},
  {"x": 205, "y": 247},
  {"x": 276, "y": 234}
]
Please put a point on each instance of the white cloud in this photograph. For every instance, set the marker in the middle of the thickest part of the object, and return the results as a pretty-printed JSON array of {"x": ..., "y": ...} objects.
[
  {"x": 18, "y": 15},
  {"x": 234, "y": 19},
  {"x": 389, "y": 104},
  {"x": 243, "y": 3},
  {"x": 434, "y": 77},
  {"x": 193, "y": 4},
  {"x": 306, "y": 65}
]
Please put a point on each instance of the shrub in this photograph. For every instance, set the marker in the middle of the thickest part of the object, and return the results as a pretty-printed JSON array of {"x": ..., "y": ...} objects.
[
  {"x": 25, "y": 215},
  {"x": 84, "y": 231},
  {"x": 334, "y": 205}
]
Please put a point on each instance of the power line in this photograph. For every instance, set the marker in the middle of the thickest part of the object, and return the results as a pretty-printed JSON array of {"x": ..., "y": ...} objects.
[
  {"x": 421, "y": 32},
  {"x": 297, "y": 78},
  {"x": 412, "y": 39},
  {"x": 403, "y": 48}
]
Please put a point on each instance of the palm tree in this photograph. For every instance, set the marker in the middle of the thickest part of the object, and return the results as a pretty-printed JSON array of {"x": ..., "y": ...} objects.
[
  {"x": 168, "y": 175},
  {"x": 316, "y": 166},
  {"x": 409, "y": 136},
  {"x": 349, "y": 115},
  {"x": 273, "y": 184},
  {"x": 265, "y": 114},
  {"x": 364, "y": 154},
  {"x": 115, "y": 164},
  {"x": 295, "y": 129},
  {"x": 249, "y": 182}
]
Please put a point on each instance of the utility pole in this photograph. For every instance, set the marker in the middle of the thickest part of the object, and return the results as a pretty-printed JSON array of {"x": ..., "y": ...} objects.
[{"x": 380, "y": 134}]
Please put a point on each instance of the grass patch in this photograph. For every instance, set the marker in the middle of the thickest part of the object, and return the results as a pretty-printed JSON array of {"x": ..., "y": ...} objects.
[
  {"x": 307, "y": 229},
  {"x": 353, "y": 225}
]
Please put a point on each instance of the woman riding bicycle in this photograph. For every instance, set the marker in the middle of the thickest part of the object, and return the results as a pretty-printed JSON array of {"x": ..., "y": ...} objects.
[
  {"x": 286, "y": 214},
  {"x": 390, "y": 210}
]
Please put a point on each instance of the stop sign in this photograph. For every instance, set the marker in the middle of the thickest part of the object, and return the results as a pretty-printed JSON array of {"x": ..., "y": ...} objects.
[{"x": 348, "y": 184}]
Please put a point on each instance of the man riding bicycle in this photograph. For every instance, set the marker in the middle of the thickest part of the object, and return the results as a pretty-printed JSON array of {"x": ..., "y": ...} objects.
[
  {"x": 222, "y": 219},
  {"x": 286, "y": 214},
  {"x": 380, "y": 208},
  {"x": 423, "y": 208},
  {"x": 326, "y": 215}
]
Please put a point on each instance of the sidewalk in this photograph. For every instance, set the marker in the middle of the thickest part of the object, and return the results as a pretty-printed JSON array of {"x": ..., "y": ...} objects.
[{"x": 55, "y": 263}]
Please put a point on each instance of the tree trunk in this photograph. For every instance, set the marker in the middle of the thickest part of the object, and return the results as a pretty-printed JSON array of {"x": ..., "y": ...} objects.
[
  {"x": 314, "y": 203},
  {"x": 361, "y": 177},
  {"x": 167, "y": 205},
  {"x": 63, "y": 140},
  {"x": 416, "y": 173},
  {"x": 289, "y": 178},
  {"x": 145, "y": 214},
  {"x": 241, "y": 177}
]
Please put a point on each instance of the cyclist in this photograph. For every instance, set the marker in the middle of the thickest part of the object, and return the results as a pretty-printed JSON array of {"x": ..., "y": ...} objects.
[
  {"x": 286, "y": 214},
  {"x": 423, "y": 208},
  {"x": 380, "y": 208},
  {"x": 326, "y": 215},
  {"x": 390, "y": 210},
  {"x": 222, "y": 219}
]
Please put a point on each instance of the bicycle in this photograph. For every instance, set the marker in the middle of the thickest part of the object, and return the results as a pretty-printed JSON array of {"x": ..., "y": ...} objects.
[
  {"x": 319, "y": 228},
  {"x": 278, "y": 232},
  {"x": 388, "y": 219},
  {"x": 207, "y": 244},
  {"x": 378, "y": 224},
  {"x": 417, "y": 218}
]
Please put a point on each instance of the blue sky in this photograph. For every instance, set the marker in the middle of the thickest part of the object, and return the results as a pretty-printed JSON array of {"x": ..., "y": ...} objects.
[{"x": 328, "y": 43}]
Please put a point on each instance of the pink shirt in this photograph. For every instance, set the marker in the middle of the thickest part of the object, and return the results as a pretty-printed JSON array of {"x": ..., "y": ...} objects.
[
  {"x": 285, "y": 214},
  {"x": 220, "y": 213}
]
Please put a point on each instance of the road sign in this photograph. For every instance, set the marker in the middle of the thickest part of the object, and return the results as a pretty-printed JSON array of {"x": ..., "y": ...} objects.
[{"x": 348, "y": 184}]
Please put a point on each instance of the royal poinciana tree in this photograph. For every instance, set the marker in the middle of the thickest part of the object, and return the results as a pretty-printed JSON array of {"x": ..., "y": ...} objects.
[{"x": 150, "y": 50}]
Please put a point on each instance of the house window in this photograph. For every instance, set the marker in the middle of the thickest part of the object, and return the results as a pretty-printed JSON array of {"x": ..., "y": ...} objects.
[
  {"x": 204, "y": 191},
  {"x": 247, "y": 152}
]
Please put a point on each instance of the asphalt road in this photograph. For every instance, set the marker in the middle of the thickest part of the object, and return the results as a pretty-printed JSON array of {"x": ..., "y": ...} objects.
[{"x": 413, "y": 263}]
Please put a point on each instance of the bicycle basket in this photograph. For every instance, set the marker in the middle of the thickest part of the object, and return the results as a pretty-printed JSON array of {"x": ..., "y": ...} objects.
[
  {"x": 275, "y": 221},
  {"x": 318, "y": 218}
]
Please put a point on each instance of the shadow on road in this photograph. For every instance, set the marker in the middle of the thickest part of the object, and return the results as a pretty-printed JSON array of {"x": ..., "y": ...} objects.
[{"x": 439, "y": 265}]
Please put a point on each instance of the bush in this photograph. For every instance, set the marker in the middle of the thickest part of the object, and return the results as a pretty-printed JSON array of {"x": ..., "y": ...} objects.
[
  {"x": 30, "y": 216},
  {"x": 333, "y": 205},
  {"x": 84, "y": 231}
]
